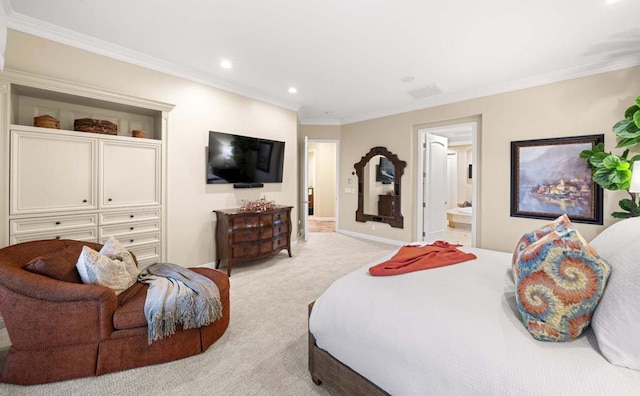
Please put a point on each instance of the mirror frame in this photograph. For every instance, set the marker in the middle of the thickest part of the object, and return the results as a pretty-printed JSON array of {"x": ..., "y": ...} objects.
[{"x": 396, "y": 220}]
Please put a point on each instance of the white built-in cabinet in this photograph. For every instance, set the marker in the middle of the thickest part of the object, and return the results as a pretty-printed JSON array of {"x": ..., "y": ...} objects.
[{"x": 58, "y": 183}]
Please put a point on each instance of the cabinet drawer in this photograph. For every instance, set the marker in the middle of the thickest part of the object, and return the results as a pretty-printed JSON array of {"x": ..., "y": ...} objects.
[
  {"x": 128, "y": 216},
  {"x": 245, "y": 222},
  {"x": 266, "y": 247},
  {"x": 266, "y": 220},
  {"x": 130, "y": 241},
  {"x": 146, "y": 254},
  {"x": 280, "y": 242},
  {"x": 281, "y": 216},
  {"x": 245, "y": 236},
  {"x": 245, "y": 251},
  {"x": 51, "y": 224},
  {"x": 125, "y": 229},
  {"x": 86, "y": 234},
  {"x": 281, "y": 229}
]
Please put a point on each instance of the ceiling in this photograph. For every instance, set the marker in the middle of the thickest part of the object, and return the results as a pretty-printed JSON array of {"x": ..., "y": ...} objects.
[{"x": 350, "y": 60}]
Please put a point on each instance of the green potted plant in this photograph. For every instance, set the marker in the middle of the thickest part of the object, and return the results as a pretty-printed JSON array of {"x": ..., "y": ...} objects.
[{"x": 613, "y": 172}]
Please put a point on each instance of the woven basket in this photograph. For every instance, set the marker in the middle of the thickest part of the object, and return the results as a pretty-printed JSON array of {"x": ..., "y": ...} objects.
[
  {"x": 95, "y": 126},
  {"x": 137, "y": 133},
  {"x": 46, "y": 121}
]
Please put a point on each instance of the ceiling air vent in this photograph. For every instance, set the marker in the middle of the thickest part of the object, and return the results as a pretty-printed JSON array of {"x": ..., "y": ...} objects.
[{"x": 429, "y": 90}]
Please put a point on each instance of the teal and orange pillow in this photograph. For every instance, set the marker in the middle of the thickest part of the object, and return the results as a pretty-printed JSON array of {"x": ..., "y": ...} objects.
[
  {"x": 561, "y": 223},
  {"x": 559, "y": 283}
]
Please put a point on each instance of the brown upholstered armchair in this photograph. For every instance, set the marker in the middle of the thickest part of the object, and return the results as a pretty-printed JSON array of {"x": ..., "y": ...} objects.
[{"x": 62, "y": 329}]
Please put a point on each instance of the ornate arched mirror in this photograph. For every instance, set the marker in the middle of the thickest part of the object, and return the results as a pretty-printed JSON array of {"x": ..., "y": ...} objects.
[{"x": 379, "y": 187}]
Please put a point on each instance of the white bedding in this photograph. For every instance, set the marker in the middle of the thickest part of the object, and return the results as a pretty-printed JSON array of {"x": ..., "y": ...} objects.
[{"x": 455, "y": 330}]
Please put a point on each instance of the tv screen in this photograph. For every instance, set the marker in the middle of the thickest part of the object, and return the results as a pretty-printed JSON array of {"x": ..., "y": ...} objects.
[
  {"x": 243, "y": 159},
  {"x": 385, "y": 171}
]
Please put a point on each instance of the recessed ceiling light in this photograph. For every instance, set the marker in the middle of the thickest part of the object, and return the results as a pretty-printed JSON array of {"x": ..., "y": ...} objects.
[
  {"x": 226, "y": 64},
  {"x": 293, "y": 90}
]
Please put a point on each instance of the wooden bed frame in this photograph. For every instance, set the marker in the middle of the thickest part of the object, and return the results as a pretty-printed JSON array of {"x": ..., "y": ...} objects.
[{"x": 326, "y": 369}]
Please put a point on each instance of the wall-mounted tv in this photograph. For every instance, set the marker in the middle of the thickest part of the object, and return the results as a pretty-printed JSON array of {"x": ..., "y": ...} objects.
[
  {"x": 385, "y": 171},
  {"x": 243, "y": 160}
]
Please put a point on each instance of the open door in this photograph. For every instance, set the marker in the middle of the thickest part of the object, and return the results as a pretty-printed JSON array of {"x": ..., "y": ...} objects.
[
  {"x": 305, "y": 189},
  {"x": 435, "y": 188}
]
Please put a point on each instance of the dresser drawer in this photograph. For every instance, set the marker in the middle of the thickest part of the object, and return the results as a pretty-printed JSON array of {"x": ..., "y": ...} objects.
[
  {"x": 245, "y": 236},
  {"x": 245, "y": 251},
  {"x": 85, "y": 234},
  {"x": 245, "y": 222},
  {"x": 280, "y": 242},
  {"x": 280, "y": 216},
  {"x": 124, "y": 229},
  {"x": 146, "y": 254},
  {"x": 281, "y": 229},
  {"x": 129, "y": 215},
  {"x": 51, "y": 224},
  {"x": 130, "y": 241}
]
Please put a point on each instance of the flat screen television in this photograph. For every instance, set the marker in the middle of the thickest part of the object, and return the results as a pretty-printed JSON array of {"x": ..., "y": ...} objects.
[
  {"x": 243, "y": 160},
  {"x": 385, "y": 171}
]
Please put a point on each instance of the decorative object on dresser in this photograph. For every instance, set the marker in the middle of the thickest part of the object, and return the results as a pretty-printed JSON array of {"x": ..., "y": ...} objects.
[
  {"x": 138, "y": 134},
  {"x": 243, "y": 235}
]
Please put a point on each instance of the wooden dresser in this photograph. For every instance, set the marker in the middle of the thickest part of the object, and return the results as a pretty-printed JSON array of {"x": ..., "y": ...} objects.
[{"x": 245, "y": 236}]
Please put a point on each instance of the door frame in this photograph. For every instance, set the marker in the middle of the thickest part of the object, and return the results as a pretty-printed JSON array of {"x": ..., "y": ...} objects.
[
  {"x": 420, "y": 175},
  {"x": 337, "y": 181}
]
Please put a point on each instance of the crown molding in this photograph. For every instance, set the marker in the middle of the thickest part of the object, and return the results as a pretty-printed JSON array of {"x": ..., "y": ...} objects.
[{"x": 36, "y": 27}]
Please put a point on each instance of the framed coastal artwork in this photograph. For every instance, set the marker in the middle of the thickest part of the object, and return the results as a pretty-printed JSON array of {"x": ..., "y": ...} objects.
[{"x": 548, "y": 179}]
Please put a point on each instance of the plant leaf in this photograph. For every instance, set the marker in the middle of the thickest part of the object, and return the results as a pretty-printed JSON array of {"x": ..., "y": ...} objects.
[
  {"x": 625, "y": 204},
  {"x": 638, "y": 100},
  {"x": 628, "y": 142},
  {"x": 620, "y": 215},
  {"x": 628, "y": 114},
  {"x": 622, "y": 125},
  {"x": 623, "y": 166},
  {"x": 612, "y": 161},
  {"x": 636, "y": 119},
  {"x": 597, "y": 159}
]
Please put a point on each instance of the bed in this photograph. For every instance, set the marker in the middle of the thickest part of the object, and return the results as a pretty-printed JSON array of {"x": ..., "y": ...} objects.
[{"x": 452, "y": 330}]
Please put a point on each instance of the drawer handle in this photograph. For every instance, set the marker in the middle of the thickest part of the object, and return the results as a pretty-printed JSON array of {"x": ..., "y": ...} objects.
[
  {"x": 279, "y": 229},
  {"x": 279, "y": 241},
  {"x": 84, "y": 201},
  {"x": 109, "y": 199},
  {"x": 58, "y": 237},
  {"x": 131, "y": 228},
  {"x": 131, "y": 216},
  {"x": 246, "y": 250},
  {"x": 57, "y": 223},
  {"x": 131, "y": 241}
]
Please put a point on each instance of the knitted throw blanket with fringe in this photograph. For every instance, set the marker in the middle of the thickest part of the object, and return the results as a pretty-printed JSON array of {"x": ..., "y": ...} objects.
[{"x": 178, "y": 295}]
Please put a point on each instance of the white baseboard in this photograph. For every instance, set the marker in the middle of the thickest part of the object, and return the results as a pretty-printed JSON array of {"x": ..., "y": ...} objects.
[{"x": 373, "y": 238}]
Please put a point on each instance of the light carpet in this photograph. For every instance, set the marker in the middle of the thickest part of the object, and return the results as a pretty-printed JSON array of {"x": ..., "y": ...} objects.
[{"x": 264, "y": 350}]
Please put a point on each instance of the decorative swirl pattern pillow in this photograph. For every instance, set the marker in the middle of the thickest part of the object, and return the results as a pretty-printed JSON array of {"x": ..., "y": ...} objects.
[
  {"x": 560, "y": 281},
  {"x": 559, "y": 224}
]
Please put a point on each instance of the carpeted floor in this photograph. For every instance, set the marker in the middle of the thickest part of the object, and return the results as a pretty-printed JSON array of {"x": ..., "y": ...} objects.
[{"x": 264, "y": 351}]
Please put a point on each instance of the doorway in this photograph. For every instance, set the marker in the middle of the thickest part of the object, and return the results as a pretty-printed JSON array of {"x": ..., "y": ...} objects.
[
  {"x": 322, "y": 185},
  {"x": 447, "y": 183}
]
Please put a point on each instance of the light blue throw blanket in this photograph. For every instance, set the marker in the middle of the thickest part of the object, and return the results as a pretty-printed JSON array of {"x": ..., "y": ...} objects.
[{"x": 178, "y": 295}]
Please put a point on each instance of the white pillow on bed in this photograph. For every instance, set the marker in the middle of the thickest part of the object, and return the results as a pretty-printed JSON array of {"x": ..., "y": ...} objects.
[{"x": 616, "y": 321}]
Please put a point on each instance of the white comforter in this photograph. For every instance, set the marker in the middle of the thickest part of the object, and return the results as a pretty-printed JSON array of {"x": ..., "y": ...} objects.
[{"x": 455, "y": 331}]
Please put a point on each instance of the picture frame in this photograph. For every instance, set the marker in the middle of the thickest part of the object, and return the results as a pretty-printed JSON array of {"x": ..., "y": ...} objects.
[
  {"x": 264, "y": 156},
  {"x": 548, "y": 179}
]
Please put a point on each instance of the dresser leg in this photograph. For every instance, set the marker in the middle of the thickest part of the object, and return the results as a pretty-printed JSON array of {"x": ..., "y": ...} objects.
[
  {"x": 289, "y": 250},
  {"x": 229, "y": 270},
  {"x": 217, "y": 263}
]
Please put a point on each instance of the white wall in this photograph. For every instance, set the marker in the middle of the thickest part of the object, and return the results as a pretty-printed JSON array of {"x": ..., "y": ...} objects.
[
  {"x": 198, "y": 109},
  {"x": 581, "y": 106}
]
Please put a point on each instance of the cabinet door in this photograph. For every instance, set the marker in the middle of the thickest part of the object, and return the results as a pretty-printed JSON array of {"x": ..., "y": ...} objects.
[
  {"x": 52, "y": 173},
  {"x": 130, "y": 174}
]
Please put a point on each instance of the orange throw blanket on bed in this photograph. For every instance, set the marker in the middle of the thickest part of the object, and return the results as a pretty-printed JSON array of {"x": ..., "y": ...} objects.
[{"x": 414, "y": 258}]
